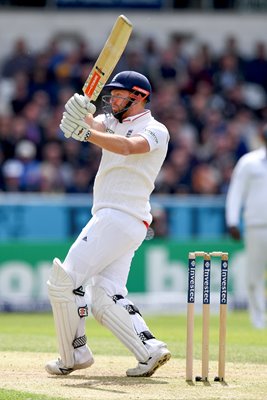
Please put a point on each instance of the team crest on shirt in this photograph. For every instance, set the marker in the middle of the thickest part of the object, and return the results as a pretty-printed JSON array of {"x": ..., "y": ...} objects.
[{"x": 129, "y": 133}]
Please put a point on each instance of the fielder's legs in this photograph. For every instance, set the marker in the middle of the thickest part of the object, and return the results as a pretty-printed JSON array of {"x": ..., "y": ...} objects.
[{"x": 256, "y": 242}]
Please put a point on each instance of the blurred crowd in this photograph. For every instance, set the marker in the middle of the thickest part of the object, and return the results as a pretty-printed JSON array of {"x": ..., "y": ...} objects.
[{"x": 213, "y": 104}]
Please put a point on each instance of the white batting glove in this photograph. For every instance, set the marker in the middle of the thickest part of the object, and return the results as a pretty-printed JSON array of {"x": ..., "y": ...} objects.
[
  {"x": 75, "y": 128},
  {"x": 78, "y": 106}
]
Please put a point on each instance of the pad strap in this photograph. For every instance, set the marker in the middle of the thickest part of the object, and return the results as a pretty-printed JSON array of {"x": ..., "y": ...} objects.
[
  {"x": 79, "y": 342},
  {"x": 79, "y": 291},
  {"x": 146, "y": 335},
  {"x": 116, "y": 317}
]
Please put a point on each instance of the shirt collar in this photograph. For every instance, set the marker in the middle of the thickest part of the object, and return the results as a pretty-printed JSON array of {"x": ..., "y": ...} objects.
[{"x": 145, "y": 114}]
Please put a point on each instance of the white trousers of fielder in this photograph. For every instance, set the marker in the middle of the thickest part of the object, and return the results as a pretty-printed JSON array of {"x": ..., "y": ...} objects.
[{"x": 256, "y": 267}]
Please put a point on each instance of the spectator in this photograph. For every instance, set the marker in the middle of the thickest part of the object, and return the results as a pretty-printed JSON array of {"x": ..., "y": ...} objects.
[
  {"x": 20, "y": 60},
  {"x": 20, "y": 97},
  {"x": 82, "y": 181},
  {"x": 256, "y": 71},
  {"x": 7, "y": 140},
  {"x": 197, "y": 71},
  {"x": 228, "y": 74},
  {"x": 159, "y": 225},
  {"x": 1, "y": 170},
  {"x": 56, "y": 175},
  {"x": 12, "y": 172},
  {"x": 25, "y": 152},
  {"x": 205, "y": 180}
]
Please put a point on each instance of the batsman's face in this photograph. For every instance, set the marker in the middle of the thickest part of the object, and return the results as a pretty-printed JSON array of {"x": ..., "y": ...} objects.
[{"x": 119, "y": 99}]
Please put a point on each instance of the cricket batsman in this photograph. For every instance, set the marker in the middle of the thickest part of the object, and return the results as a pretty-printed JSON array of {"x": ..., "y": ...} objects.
[{"x": 134, "y": 146}]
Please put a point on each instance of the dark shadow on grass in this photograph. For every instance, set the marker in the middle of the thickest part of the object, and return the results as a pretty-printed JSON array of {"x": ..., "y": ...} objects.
[{"x": 95, "y": 382}]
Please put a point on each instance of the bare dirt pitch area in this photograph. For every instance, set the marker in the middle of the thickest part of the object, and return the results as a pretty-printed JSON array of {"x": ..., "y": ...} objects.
[{"x": 106, "y": 380}]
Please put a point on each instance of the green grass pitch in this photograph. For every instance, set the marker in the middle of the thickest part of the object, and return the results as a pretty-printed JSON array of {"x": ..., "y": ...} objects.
[{"x": 35, "y": 333}]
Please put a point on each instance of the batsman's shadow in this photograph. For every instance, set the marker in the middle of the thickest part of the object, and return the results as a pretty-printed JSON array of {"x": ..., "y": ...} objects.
[{"x": 105, "y": 383}]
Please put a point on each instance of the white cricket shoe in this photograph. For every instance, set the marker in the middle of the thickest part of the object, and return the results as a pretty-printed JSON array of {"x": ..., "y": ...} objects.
[
  {"x": 56, "y": 367},
  {"x": 158, "y": 357}
]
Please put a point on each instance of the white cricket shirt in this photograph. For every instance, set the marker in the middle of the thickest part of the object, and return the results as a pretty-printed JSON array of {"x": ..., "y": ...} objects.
[
  {"x": 248, "y": 189},
  {"x": 126, "y": 182}
]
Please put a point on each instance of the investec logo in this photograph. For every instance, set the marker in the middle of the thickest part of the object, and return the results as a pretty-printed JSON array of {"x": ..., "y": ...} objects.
[
  {"x": 224, "y": 283},
  {"x": 206, "y": 283},
  {"x": 191, "y": 285}
]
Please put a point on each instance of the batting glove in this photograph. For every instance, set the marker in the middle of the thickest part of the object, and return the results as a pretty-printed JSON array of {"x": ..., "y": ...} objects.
[
  {"x": 75, "y": 128},
  {"x": 78, "y": 106}
]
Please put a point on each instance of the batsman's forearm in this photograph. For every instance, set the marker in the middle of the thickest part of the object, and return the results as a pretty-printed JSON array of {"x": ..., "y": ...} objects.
[
  {"x": 113, "y": 143},
  {"x": 119, "y": 144}
]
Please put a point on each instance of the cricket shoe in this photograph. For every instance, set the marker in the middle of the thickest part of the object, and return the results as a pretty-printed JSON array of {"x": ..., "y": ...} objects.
[
  {"x": 56, "y": 367},
  {"x": 157, "y": 358}
]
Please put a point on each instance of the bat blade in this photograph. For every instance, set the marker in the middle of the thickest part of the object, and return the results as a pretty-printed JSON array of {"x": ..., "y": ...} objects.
[{"x": 108, "y": 58}]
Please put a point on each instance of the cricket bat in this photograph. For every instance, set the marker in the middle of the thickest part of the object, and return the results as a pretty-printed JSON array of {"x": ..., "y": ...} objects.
[{"x": 108, "y": 58}]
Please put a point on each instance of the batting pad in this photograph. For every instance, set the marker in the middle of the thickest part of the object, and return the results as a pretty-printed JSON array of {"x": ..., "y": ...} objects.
[
  {"x": 60, "y": 291},
  {"x": 136, "y": 317},
  {"x": 118, "y": 320}
]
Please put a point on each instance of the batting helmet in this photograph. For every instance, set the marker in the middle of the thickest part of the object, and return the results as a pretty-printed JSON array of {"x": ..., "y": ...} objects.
[{"x": 132, "y": 81}]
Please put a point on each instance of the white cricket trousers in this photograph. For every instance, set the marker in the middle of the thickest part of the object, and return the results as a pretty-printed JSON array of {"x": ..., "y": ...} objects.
[
  {"x": 256, "y": 267},
  {"x": 103, "y": 251}
]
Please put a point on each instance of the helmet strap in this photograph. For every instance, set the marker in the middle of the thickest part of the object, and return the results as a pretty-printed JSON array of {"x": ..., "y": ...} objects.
[{"x": 119, "y": 115}]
